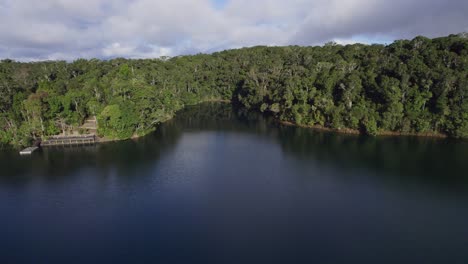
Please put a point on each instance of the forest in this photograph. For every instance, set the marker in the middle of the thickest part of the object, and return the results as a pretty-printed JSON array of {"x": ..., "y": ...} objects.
[{"x": 413, "y": 86}]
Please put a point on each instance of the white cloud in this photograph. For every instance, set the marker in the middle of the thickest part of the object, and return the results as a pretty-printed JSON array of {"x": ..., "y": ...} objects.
[
  {"x": 68, "y": 29},
  {"x": 135, "y": 52}
]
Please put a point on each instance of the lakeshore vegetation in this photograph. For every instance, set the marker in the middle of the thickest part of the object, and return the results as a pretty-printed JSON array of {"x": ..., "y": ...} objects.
[{"x": 416, "y": 86}]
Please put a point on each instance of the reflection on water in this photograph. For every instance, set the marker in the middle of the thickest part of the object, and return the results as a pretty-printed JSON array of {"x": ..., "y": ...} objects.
[
  {"x": 218, "y": 185},
  {"x": 442, "y": 163}
]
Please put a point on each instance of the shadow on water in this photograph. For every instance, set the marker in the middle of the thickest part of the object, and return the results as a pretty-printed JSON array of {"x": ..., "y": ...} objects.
[
  {"x": 440, "y": 163},
  {"x": 222, "y": 183},
  {"x": 60, "y": 163}
]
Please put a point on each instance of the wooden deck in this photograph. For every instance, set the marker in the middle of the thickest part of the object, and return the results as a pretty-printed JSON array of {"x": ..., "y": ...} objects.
[{"x": 65, "y": 141}]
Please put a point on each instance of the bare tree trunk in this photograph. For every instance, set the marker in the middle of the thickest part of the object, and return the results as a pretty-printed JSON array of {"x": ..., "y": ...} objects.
[{"x": 42, "y": 126}]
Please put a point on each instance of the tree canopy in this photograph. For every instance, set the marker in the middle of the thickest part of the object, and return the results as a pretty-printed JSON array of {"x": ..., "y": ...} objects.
[{"x": 409, "y": 86}]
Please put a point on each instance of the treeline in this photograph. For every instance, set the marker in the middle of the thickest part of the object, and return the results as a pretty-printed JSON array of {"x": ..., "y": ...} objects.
[{"x": 409, "y": 86}]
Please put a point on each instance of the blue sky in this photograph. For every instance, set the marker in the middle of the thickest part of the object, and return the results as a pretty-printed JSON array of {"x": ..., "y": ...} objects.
[
  {"x": 219, "y": 4},
  {"x": 71, "y": 29}
]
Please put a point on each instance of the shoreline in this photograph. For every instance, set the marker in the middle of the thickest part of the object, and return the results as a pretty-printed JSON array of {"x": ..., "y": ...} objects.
[
  {"x": 347, "y": 131},
  {"x": 350, "y": 131},
  {"x": 136, "y": 137}
]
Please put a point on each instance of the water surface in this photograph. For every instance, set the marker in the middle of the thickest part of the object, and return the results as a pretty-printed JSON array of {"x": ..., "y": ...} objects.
[{"x": 217, "y": 185}]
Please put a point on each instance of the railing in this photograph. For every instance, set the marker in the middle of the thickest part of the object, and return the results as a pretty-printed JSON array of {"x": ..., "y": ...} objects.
[{"x": 73, "y": 140}]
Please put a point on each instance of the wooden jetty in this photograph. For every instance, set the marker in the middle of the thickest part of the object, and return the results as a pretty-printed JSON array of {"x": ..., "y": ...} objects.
[
  {"x": 72, "y": 140},
  {"x": 28, "y": 151}
]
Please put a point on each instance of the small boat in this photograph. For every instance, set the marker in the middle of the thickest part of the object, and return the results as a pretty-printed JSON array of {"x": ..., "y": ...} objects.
[{"x": 28, "y": 151}]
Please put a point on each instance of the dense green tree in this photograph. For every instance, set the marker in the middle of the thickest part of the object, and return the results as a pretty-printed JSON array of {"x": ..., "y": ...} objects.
[{"x": 409, "y": 86}]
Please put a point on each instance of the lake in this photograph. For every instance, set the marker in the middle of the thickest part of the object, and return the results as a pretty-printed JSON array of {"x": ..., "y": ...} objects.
[{"x": 219, "y": 185}]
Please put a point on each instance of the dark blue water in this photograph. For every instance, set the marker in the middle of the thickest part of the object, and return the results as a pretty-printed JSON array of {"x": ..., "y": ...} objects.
[{"x": 221, "y": 186}]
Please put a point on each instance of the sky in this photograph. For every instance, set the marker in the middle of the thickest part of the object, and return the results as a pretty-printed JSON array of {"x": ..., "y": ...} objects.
[{"x": 71, "y": 29}]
